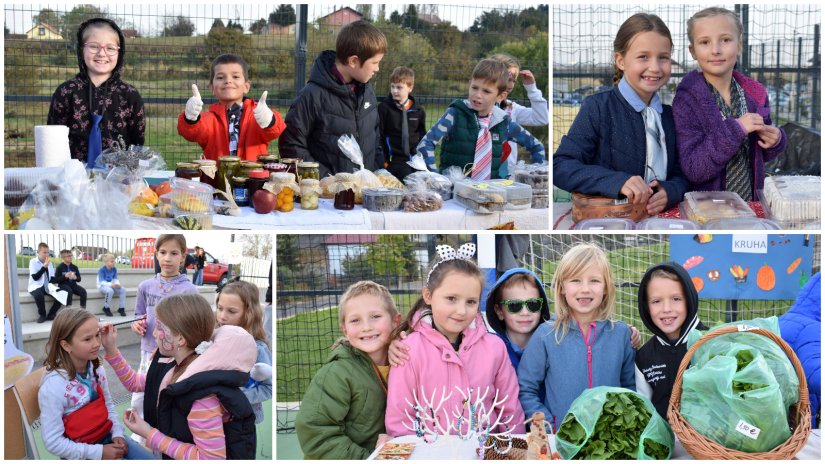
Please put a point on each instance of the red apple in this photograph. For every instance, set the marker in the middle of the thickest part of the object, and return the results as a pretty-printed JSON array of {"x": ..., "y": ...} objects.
[{"x": 263, "y": 201}]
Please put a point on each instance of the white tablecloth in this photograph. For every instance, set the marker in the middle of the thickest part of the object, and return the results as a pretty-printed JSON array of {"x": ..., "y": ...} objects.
[
  {"x": 453, "y": 448},
  {"x": 452, "y": 216}
]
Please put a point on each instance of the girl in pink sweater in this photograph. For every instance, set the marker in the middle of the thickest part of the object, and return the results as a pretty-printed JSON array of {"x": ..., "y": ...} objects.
[{"x": 451, "y": 353}]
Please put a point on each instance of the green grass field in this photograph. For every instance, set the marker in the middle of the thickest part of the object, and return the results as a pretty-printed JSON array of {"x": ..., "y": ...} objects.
[
  {"x": 303, "y": 341},
  {"x": 161, "y": 131}
]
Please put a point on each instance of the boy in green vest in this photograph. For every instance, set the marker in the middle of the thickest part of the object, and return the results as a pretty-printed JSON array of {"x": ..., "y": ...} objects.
[{"x": 474, "y": 130}]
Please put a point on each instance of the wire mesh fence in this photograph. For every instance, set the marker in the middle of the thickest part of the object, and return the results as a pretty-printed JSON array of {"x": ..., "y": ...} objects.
[
  {"x": 170, "y": 47},
  {"x": 314, "y": 270},
  {"x": 781, "y": 49}
]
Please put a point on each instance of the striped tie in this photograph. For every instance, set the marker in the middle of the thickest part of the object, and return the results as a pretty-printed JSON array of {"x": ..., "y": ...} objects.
[{"x": 483, "y": 159}]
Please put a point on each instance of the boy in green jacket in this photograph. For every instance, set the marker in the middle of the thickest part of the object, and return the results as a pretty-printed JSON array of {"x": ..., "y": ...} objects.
[{"x": 342, "y": 413}]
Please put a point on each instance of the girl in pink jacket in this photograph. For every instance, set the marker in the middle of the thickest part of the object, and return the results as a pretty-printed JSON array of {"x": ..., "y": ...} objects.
[{"x": 451, "y": 354}]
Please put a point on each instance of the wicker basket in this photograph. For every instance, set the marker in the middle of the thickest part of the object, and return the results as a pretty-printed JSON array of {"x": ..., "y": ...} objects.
[{"x": 701, "y": 447}]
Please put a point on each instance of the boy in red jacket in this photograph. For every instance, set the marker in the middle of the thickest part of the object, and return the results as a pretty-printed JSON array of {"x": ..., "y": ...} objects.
[{"x": 236, "y": 125}]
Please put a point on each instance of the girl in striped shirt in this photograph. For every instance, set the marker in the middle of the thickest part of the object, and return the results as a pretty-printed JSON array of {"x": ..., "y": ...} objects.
[{"x": 193, "y": 408}]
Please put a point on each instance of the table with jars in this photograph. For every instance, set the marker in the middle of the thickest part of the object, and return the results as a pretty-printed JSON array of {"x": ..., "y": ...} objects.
[{"x": 283, "y": 193}]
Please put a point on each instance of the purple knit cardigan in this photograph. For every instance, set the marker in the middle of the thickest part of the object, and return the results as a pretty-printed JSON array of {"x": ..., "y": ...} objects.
[{"x": 706, "y": 141}]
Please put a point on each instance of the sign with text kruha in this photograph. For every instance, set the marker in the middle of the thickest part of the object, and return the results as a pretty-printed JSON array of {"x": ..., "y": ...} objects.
[{"x": 745, "y": 266}]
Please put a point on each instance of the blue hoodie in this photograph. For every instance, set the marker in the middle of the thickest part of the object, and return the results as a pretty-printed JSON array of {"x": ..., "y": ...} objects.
[
  {"x": 566, "y": 371},
  {"x": 498, "y": 325},
  {"x": 801, "y": 327}
]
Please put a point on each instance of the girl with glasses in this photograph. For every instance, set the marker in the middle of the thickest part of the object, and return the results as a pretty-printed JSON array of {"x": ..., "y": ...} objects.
[{"x": 97, "y": 106}]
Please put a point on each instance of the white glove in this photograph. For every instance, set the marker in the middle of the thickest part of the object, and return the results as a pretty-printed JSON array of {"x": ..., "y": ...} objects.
[
  {"x": 263, "y": 115},
  {"x": 194, "y": 105}
]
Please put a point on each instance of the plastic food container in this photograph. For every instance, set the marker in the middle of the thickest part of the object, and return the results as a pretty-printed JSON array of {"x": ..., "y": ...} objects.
[
  {"x": 753, "y": 223},
  {"x": 540, "y": 201},
  {"x": 191, "y": 196},
  {"x": 382, "y": 199},
  {"x": 792, "y": 201},
  {"x": 481, "y": 197},
  {"x": 516, "y": 195},
  {"x": 666, "y": 224},
  {"x": 701, "y": 207},
  {"x": 538, "y": 178},
  {"x": 204, "y": 219},
  {"x": 605, "y": 224}
]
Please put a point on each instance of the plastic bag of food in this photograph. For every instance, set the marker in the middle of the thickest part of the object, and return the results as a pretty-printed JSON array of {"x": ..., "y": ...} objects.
[
  {"x": 419, "y": 197},
  {"x": 363, "y": 177},
  {"x": 388, "y": 180},
  {"x": 455, "y": 174},
  {"x": 776, "y": 358},
  {"x": 78, "y": 202},
  {"x": 738, "y": 389},
  {"x": 136, "y": 158},
  {"x": 613, "y": 423},
  {"x": 430, "y": 181}
]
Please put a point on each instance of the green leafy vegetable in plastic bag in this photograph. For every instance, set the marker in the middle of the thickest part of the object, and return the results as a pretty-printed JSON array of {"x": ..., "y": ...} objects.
[
  {"x": 613, "y": 423},
  {"x": 738, "y": 389}
]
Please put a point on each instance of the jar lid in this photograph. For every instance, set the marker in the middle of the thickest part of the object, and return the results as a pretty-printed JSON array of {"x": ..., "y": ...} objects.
[
  {"x": 290, "y": 160},
  {"x": 267, "y": 158},
  {"x": 308, "y": 164},
  {"x": 186, "y": 165},
  {"x": 205, "y": 162},
  {"x": 230, "y": 159},
  {"x": 258, "y": 174},
  {"x": 239, "y": 179},
  {"x": 252, "y": 164}
]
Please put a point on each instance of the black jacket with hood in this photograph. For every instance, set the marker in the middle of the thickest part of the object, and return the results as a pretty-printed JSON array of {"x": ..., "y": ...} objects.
[
  {"x": 657, "y": 361},
  {"x": 326, "y": 109},
  {"x": 390, "y": 122},
  {"x": 120, "y": 103}
]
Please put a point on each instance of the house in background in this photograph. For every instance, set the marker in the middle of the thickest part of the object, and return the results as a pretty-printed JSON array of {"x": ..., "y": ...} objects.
[
  {"x": 340, "y": 17},
  {"x": 88, "y": 252},
  {"x": 43, "y": 31}
]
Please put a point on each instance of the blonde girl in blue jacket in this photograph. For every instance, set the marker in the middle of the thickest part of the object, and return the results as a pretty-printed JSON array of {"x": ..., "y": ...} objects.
[{"x": 583, "y": 347}]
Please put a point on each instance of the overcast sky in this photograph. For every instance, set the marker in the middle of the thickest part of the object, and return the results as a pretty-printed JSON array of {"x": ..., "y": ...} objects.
[{"x": 147, "y": 17}]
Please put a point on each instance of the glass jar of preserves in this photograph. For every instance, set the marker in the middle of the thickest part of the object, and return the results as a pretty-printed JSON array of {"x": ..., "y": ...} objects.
[
  {"x": 256, "y": 181},
  {"x": 240, "y": 190},
  {"x": 247, "y": 166},
  {"x": 345, "y": 199},
  {"x": 209, "y": 171},
  {"x": 189, "y": 171},
  {"x": 267, "y": 160},
  {"x": 308, "y": 170},
  {"x": 227, "y": 169},
  {"x": 291, "y": 166},
  {"x": 310, "y": 192}
]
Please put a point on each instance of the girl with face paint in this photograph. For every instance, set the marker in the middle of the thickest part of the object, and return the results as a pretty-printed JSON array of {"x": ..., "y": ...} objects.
[{"x": 194, "y": 408}]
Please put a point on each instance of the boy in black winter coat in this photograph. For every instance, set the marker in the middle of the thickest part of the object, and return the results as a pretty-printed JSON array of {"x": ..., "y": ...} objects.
[
  {"x": 338, "y": 100},
  {"x": 399, "y": 144},
  {"x": 668, "y": 306},
  {"x": 67, "y": 276}
]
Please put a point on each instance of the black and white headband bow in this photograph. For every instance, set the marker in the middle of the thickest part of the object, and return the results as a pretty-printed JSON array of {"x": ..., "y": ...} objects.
[{"x": 448, "y": 253}]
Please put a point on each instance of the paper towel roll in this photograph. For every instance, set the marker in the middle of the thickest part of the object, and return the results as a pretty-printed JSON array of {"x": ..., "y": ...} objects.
[{"x": 51, "y": 146}]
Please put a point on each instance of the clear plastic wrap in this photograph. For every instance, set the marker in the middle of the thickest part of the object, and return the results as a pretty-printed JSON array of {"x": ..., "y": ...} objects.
[
  {"x": 418, "y": 196},
  {"x": 388, "y": 180},
  {"x": 430, "y": 181},
  {"x": 78, "y": 202},
  {"x": 136, "y": 158},
  {"x": 363, "y": 177}
]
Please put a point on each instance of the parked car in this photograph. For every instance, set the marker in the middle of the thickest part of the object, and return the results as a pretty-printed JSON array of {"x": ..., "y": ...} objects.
[
  {"x": 123, "y": 260},
  {"x": 214, "y": 272},
  {"x": 27, "y": 251}
]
